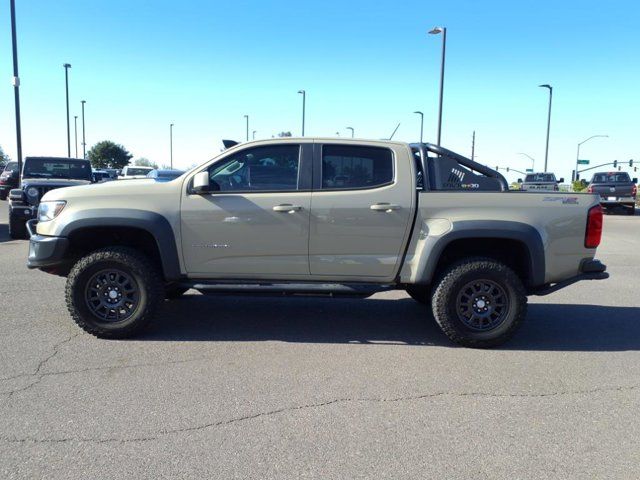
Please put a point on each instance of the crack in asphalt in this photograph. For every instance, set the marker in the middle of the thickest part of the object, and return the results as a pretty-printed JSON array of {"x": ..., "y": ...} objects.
[
  {"x": 295, "y": 408},
  {"x": 36, "y": 373}
]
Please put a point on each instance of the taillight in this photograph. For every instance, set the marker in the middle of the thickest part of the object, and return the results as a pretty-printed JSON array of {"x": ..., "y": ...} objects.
[
  {"x": 593, "y": 234},
  {"x": 634, "y": 190},
  {"x": 590, "y": 189}
]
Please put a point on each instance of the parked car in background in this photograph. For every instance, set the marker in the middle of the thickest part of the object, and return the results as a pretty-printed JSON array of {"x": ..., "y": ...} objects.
[
  {"x": 164, "y": 175},
  {"x": 39, "y": 176},
  {"x": 616, "y": 190},
  {"x": 113, "y": 173},
  {"x": 544, "y": 181},
  {"x": 8, "y": 179},
  {"x": 99, "y": 176},
  {"x": 133, "y": 171}
]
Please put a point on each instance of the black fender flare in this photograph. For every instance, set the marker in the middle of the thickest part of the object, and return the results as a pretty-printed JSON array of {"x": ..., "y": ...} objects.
[
  {"x": 502, "y": 229},
  {"x": 154, "y": 223}
]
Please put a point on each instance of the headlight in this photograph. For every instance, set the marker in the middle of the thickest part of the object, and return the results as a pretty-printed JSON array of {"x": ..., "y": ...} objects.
[
  {"x": 50, "y": 210},
  {"x": 32, "y": 192}
]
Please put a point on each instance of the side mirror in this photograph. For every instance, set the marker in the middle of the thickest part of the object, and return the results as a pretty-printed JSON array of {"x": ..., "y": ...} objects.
[
  {"x": 519, "y": 180},
  {"x": 635, "y": 180},
  {"x": 201, "y": 183},
  {"x": 561, "y": 180}
]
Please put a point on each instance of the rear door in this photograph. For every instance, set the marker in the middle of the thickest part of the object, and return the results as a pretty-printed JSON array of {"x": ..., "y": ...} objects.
[{"x": 361, "y": 209}]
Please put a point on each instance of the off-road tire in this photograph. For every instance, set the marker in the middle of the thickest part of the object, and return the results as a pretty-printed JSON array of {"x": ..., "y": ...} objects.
[
  {"x": 448, "y": 292},
  {"x": 148, "y": 282},
  {"x": 172, "y": 292},
  {"x": 17, "y": 227},
  {"x": 420, "y": 293}
]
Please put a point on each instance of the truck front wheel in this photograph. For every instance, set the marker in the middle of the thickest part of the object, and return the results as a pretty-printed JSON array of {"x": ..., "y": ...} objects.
[
  {"x": 17, "y": 227},
  {"x": 479, "y": 302},
  {"x": 113, "y": 292}
]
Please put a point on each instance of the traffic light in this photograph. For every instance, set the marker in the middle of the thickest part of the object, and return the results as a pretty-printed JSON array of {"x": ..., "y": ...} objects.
[
  {"x": 497, "y": 168},
  {"x": 631, "y": 163},
  {"x": 507, "y": 169},
  {"x": 615, "y": 163}
]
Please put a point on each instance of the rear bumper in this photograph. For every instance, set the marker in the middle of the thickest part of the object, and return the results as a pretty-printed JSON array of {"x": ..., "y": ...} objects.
[
  {"x": 607, "y": 202},
  {"x": 45, "y": 251},
  {"x": 589, "y": 270}
]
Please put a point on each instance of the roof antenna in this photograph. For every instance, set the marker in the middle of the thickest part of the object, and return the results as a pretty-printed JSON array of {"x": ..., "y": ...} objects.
[{"x": 394, "y": 132}]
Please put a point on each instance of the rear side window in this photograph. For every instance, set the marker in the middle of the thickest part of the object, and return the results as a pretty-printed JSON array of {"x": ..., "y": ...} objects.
[{"x": 353, "y": 167}]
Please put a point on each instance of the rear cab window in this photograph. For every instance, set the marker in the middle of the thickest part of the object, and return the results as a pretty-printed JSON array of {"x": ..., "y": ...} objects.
[
  {"x": 350, "y": 167},
  {"x": 622, "y": 177},
  {"x": 540, "y": 177}
]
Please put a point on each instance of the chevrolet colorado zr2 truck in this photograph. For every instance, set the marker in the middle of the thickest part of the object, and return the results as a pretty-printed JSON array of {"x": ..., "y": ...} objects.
[{"x": 319, "y": 216}]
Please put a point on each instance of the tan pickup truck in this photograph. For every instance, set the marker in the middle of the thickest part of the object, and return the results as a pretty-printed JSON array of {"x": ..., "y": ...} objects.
[{"x": 324, "y": 217}]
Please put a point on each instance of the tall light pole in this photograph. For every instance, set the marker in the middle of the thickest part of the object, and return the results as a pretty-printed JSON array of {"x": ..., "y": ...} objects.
[
  {"x": 421, "y": 123},
  {"x": 84, "y": 143},
  {"x": 533, "y": 160},
  {"x": 75, "y": 129},
  {"x": 67, "y": 66},
  {"x": 16, "y": 88},
  {"x": 171, "y": 145},
  {"x": 246, "y": 117},
  {"x": 576, "y": 177},
  {"x": 254, "y": 135},
  {"x": 352, "y": 131},
  {"x": 473, "y": 145},
  {"x": 436, "y": 31},
  {"x": 546, "y": 151},
  {"x": 304, "y": 102}
]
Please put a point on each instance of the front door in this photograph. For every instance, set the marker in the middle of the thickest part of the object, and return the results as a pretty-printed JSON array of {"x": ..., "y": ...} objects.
[
  {"x": 257, "y": 224},
  {"x": 361, "y": 210}
]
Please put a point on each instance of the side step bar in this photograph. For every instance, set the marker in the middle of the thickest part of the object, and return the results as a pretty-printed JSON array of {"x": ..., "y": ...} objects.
[{"x": 284, "y": 289}]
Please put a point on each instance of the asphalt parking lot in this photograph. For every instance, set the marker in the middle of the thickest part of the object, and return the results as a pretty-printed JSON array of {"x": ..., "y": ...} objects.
[{"x": 296, "y": 388}]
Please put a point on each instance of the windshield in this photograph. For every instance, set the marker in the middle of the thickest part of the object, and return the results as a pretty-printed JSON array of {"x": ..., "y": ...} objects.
[
  {"x": 540, "y": 177},
  {"x": 45, "y": 168},
  {"x": 622, "y": 177},
  {"x": 169, "y": 175},
  {"x": 11, "y": 167},
  {"x": 137, "y": 171}
]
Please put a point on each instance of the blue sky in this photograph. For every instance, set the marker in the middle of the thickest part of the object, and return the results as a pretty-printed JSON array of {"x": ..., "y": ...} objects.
[{"x": 202, "y": 65}]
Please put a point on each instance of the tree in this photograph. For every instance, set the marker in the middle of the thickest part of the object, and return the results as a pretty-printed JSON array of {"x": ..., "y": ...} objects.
[
  {"x": 3, "y": 156},
  {"x": 284, "y": 134},
  {"x": 108, "y": 154},
  {"x": 145, "y": 162}
]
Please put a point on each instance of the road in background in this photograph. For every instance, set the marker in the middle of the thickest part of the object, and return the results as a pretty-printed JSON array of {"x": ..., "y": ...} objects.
[{"x": 323, "y": 388}]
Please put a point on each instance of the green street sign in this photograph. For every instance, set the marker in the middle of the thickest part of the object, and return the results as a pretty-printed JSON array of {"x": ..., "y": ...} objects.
[
  {"x": 529, "y": 170},
  {"x": 583, "y": 162}
]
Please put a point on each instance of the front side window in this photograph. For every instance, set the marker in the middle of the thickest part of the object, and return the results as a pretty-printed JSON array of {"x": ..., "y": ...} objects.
[
  {"x": 260, "y": 169},
  {"x": 354, "y": 167}
]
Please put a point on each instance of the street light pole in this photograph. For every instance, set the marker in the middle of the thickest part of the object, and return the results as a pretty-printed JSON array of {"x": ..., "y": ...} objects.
[
  {"x": 254, "y": 135},
  {"x": 576, "y": 177},
  {"x": 436, "y": 31},
  {"x": 352, "y": 131},
  {"x": 546, "y": 151},
  {"x": 67, "y": 66},
  {"x": 171, "y": 145},
  {"x": 421, "y": 123},
  {"x": 16, "y": 89},
  {"x": 473, "y": 145},
  {"x": 533, "y": 160},
  {"x": 84, "y": 143},
  {"x": 75, "y": 129},
  {"x": 304, "y": 102},
  {"x": 247, "y": 119}
]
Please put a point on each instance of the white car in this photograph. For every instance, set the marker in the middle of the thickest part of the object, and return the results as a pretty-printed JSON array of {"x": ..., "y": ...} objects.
[{"x": 134, "y": 171}]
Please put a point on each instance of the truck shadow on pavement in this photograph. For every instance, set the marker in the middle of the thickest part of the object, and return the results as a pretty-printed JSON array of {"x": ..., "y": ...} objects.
[{"x": 548, "y": 327}]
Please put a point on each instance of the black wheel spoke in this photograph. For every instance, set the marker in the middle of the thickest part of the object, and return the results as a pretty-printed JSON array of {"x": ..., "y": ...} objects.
[
  {"x": 482, "y": 305},
  {"x": 112, "y": 295}
]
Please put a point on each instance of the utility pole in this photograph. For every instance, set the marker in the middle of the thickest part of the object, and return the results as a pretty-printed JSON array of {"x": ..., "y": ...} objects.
[
  {"x": 436, "y": 31},
  {"x": 247, "y": 119},
  {"x": 16, "y": 88},
  {"x": 546, "y": 151},
  {"x": 75, "y": 129},
  {"x": 304, "y": 102},
  {"x": 84, "y": 143},
  {"x": 67, "y": 66},
  {"x": 473, "y": 145},
  {"x": 171, "y": 145}
]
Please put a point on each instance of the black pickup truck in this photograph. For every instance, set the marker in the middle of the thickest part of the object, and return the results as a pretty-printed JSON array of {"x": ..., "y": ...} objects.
[{"x": 616, "y": 190}]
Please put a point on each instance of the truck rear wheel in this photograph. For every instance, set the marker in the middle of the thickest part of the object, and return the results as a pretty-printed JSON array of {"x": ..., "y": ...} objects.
[
  {"x": 113, "y": 292},
  {"x": 479, "y": 302}
]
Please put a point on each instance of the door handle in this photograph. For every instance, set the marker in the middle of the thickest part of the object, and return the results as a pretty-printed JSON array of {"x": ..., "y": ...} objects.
[
  {"x": 287, "y": 208},
  {"x": 384, "y": 207}
]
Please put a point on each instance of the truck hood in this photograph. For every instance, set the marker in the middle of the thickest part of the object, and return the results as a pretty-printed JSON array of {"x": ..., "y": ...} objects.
[
  {"x": 107, "y": 189},
  {"x": 54, "y": 182}
]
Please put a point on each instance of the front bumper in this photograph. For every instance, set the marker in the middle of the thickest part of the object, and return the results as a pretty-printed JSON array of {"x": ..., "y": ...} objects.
[
  {"x": 589, "y": 270},
  {"x": 45, "y": 251}
]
